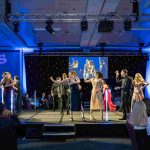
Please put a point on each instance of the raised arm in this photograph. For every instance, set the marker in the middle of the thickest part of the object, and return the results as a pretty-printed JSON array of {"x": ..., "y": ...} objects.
[
  {"x": 77, "y": 80},
  {"x": 87, "y": 80},
  {"x": 145, "y": 84},
  {"x": 60, "y": 82}
]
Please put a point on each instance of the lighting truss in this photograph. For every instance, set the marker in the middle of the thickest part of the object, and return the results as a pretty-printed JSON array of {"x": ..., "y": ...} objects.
[
  {"x": 65, "y": 17},
  {"x": 136, "y": 53}
]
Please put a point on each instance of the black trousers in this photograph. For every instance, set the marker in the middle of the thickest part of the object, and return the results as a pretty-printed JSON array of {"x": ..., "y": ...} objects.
[
  {"x": 125, "y": 103},
  {"x": 65, "y": 102},
  {"x": 18, "y": 101},
  {"x": 56, "y": 102}
]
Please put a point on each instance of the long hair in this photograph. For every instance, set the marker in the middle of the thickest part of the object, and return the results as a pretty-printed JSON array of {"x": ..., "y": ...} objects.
[
  {"x": 64, "y": 75},
  {"x": 139, "y": 112},
  {"x": 4, "y": 78},
  {"x": 100, "y": 75},
  {"x": 138, "y": 78}
]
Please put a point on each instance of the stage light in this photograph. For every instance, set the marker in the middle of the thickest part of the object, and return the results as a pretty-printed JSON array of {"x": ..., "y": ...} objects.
[
  {"x": 105, "y": 26},
  {"x": 102, "y": 48},
  {"x": 7, "y": 7},
  {"x": 127, "y": 25},
  {"x": 140, "y": 48},
  {"x": 40, "y": 45},
  {"x": 16, "y": 25},
  {"x": 7, "y": 10},
  {"x": 84, "y": 24},
  {"x": 135, "y": 9},
  {"x": 49, "y": 27}
]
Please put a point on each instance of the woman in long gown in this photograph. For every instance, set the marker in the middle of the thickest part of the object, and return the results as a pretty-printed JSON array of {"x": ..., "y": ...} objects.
[
  {"x": 7, "y": 85},
  {"x": 139, "y": 84},
  {"x": 75, "y": 100},
  {"x": 111, "y": 106},
  {"x": 96, "y": 102}
]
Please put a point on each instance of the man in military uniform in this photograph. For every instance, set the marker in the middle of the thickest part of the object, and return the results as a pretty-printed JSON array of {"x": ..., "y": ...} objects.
[{"x": 56, "y": 94}]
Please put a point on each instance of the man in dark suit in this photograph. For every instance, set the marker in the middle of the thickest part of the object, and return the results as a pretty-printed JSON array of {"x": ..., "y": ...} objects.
[
  {"x": 65, "y": 96},
  {"x": 126, "y": 84}
]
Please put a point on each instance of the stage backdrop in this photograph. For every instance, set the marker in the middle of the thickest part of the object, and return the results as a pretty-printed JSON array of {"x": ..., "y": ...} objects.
[
  {"x": 9, "y": 62},
  {"x": 39, "y": 68}
]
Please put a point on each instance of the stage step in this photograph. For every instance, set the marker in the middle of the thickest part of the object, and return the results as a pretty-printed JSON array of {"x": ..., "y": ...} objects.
[
  {"x": 58, "y": 133},
  {"x": 54, "y": 132},
  {"x": 58, "y": 128}
]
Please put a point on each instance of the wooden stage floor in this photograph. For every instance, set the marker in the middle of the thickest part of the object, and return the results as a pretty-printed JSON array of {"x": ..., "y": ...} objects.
[{"x": 50, "y": 117}]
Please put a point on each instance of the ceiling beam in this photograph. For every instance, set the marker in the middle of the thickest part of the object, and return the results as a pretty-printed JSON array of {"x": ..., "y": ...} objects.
[
  {"x": 109, "y": 6},
  {"x": 93, "y": 7}
]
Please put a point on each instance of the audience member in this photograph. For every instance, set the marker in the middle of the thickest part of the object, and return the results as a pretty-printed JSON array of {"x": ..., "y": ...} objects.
[
  {"x": 43, "y": 102},
  {"x": 138, "y": 119},
  {"x": 8, "y": 126},
  {"x": 147, "y": 103},
  {"x": 26, "y": 102}
]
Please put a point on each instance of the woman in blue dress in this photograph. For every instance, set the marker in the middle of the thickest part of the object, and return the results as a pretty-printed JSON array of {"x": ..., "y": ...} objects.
[{"x": 75, "y": 100}]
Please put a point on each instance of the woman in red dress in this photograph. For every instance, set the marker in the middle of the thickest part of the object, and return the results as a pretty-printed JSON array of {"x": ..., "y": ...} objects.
[{"x": 111, "y": 106}]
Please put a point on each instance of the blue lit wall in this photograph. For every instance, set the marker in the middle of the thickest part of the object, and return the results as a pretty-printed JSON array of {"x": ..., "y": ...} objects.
[{"x": 147, "y": 90}]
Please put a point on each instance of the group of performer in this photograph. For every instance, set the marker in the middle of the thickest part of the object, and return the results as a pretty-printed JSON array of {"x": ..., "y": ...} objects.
[
  {"x": 98, "y": 95},
  {"x": 131, "y": 90},
  {"x": 67, "y": 91}
]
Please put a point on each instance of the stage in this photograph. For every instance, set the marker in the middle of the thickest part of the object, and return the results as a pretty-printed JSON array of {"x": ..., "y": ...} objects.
[
  {"x": 46, "y": 124},
  {"x": 50, "y": 117}
]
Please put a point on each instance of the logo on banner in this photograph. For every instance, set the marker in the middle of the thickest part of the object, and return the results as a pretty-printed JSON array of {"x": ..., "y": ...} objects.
[{"x": 3, "y": 59}]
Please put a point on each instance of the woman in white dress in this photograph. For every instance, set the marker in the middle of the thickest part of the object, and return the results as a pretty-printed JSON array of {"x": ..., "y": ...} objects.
[{"x": 96, "y": 102}]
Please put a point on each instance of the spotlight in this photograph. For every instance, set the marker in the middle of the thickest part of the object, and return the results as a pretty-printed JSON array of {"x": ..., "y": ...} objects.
[
  {"x": 102, "y": 48},
  {"x": 140, "y": 48},
  {"x": 16, "y": 25},
  {"x": 105, "y": 26},
  {"x": 84, "y": 25},
  {"x": 7, "y": 7},
  {"x": 7, "y": 10},
  {"x": 135, "y": 9},
  {"x": 127, "y": 25},
  {"x": 40, "y": 45},
  {"x": 49, "y": 27}
]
